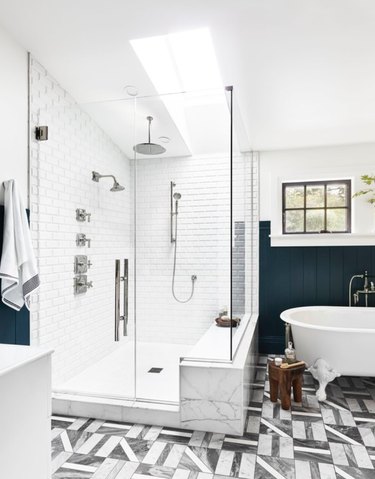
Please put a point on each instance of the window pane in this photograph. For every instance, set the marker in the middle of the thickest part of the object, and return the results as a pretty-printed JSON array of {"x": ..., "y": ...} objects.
[
  {"x": 314, "y": 221},
  {"x": 315, "y": 196},
  {"x": 294, "y": 221},
  {"x": 336, "y": 220},
  {"x": 294, "y": 196},
  {"x": 337, "y": 194}
]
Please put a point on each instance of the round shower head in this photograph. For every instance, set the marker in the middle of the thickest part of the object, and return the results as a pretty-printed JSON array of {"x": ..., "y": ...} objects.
[
  {"x": 149, "y": 148},
  {"x": 177, "y": 196},
  {"x": 117, "y": 187}
]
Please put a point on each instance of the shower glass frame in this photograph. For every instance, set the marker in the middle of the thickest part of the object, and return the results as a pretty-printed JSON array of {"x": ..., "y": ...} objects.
[{"x": 134, "y": 105}]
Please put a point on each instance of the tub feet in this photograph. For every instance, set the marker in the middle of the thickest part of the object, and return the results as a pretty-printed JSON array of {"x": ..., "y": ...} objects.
[{"x": 322, "y": 372}]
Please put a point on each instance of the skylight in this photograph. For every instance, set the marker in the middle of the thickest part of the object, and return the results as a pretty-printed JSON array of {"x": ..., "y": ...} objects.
[{"x": 183, "y": 61}]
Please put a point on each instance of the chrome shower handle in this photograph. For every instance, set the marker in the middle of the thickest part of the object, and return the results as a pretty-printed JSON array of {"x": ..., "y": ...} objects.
[
  {"x": 81, "y": 215},
  {"x": 126, "y": 296},
  {"x": 118, "y": 316},
  {"x": 81, "y": 240},
  {"x": 117, "y": 298}
]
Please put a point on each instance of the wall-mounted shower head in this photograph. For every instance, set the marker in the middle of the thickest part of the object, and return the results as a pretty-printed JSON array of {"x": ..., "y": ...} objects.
[
  {"x": 116, "y": 185},
  {"x": 177, "y": 196}
]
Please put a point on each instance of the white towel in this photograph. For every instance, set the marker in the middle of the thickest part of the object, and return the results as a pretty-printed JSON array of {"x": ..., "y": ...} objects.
[{"x": 18, "y": 268}]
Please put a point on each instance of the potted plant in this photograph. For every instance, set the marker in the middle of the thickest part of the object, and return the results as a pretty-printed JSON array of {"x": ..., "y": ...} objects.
[{"x": 368, "y": 180}]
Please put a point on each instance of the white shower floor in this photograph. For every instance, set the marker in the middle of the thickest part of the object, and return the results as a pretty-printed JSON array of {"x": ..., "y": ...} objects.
[{"x": 114, "y": 375}]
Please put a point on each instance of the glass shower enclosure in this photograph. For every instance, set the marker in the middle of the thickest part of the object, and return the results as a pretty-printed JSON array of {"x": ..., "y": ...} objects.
[{"x": 170, "y": 256}]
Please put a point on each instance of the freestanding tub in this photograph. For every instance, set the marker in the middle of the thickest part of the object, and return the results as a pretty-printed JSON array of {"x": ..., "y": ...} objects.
[{"x": 334, "y": 341}]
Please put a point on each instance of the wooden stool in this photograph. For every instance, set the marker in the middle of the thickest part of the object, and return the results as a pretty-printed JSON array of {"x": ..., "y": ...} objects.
[{"x": 282, "y": 380}]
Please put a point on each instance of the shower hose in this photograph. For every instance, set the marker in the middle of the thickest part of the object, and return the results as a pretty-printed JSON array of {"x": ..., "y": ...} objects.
[{"x": 193, "y": 278}]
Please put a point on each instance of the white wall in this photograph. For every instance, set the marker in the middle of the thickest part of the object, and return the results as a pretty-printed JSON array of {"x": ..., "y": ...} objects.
[
  {"x": 13, "y": 114},
  {"x": 202, "y": 247},
  {"x": 79, "y": 328},
  {"x": 313, "y": 164}
]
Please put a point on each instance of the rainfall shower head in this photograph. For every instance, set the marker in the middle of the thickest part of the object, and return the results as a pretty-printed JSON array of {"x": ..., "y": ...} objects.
[
  {"x": 116, "y": 185},
  {"x": 177, "y": 196},
  {"x": 149, "y": 148}
]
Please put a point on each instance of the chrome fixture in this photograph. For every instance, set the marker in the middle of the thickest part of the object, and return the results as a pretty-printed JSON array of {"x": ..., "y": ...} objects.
[
  {"x": 118, "y": 316},
  {"x": 174, "y": 208},
  {"x": 81, "y": 240},
  {"x": 149, "y": 148},
  {"x": 116, "y": 185},
  {"x": 82, "y": 215},
  {"x": 81, "y": 285},
  {"x": 288, "y": 334},
  {"x": 81, "y": 264},
  {"x": 174, "y": 228},
  {"x": 367, "y": 288}
]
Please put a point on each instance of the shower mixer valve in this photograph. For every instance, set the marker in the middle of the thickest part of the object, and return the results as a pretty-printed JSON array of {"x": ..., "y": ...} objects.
[
  {"x": 81, "y": 240},
  {"x": 81, "y": 285},
  {"x": 82, "y": 215},
  {"x": 81, "y": 264}
]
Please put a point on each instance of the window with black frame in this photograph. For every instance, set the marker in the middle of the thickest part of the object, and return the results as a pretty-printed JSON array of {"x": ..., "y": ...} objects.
[{"x": 317, "y": 207}]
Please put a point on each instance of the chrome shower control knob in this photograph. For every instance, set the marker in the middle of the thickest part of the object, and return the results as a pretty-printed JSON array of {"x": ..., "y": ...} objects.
[
  {"x": 81, "y": 285},
  {"x": 81, "y": 240},
  {"x": 82, "y": 215}
]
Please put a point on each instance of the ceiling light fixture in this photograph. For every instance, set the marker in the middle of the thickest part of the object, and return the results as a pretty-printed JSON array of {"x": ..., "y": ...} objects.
[{"x": 131, "y": 90}]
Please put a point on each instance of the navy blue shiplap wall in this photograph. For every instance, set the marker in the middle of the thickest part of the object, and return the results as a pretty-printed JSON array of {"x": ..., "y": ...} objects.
[
  {"x": 14, "y": 326},
  {"x": 303, "y": 276}
]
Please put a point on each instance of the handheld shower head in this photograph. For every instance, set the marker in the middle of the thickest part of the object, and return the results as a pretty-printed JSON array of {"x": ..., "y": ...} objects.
[{"x": 177, "y": 196}]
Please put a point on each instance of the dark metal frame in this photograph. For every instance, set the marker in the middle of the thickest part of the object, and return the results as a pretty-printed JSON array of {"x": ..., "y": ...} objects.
[{"x": 324, "y": 183}]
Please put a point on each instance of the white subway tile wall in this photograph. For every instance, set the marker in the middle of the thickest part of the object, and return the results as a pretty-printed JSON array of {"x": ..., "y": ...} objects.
[
  {"x": 203, "y": 244},
  {"x": 80, "y": 328}
]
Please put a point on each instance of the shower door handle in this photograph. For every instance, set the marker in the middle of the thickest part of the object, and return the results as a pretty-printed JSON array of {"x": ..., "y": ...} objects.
[
  {"x": 118, "y": 279},
  {"x": 117, "y": 299},
  {"x": 125, "y": 278}
]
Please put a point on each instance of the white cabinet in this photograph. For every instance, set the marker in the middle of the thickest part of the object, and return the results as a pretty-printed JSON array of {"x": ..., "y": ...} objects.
[{"x": 25, "y": 412}]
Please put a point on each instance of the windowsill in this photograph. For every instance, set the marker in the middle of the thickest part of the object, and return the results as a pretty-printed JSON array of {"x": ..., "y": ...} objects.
[{"x": 324, "y": 239}]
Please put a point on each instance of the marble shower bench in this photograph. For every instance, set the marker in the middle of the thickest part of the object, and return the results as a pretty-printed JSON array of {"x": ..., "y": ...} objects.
[{"x": 214, "y": 395}]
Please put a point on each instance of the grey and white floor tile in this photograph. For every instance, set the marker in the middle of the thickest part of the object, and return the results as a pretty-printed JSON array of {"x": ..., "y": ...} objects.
[{"x": 329, "y": 440}]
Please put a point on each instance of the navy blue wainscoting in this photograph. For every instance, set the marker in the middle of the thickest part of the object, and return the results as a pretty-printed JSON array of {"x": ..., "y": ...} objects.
[
  {"x": 303, "y": 276},
  {"x": 14, "y": 326}
]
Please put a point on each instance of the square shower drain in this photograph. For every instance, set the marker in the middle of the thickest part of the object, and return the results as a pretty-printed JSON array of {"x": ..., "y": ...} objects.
[{"x": 155, "y": 370}]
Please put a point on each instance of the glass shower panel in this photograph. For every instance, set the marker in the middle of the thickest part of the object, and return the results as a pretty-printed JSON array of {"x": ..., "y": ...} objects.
[
  {"x": 182, "y": 236},
  {"x": 244, "y": 225},
  {"x": 82, "y": 227}
]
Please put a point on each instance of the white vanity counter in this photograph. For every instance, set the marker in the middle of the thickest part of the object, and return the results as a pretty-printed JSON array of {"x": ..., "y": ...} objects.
[
  {"x": 14, "y": 356},
  {"x": 25, "y": 411}
]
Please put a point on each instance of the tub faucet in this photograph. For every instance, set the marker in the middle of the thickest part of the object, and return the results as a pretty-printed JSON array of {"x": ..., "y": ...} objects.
[
  {"x": 365, "y": 283},
  {"x": 366, "y": 290},
  {"x": 355, "y": 296}
]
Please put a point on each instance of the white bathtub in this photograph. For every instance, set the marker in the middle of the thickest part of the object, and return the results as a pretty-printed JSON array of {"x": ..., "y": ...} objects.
[{"x": 344, "y": 337}]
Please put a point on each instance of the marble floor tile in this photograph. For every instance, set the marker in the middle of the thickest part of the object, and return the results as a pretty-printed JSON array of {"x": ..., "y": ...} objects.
[{"x": 333, "y": 439}]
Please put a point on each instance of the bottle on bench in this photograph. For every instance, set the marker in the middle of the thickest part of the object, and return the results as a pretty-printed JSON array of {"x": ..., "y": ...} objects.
[{"x": 290, "y": 353}]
